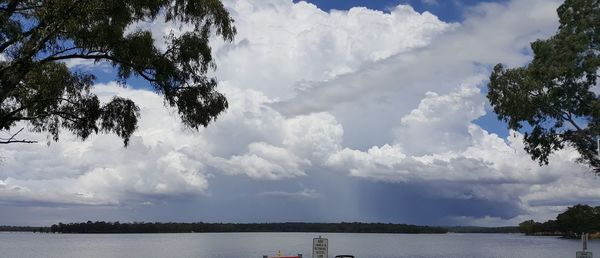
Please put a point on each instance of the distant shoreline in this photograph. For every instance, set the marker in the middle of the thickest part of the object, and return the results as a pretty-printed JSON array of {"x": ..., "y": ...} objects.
[{"x": 101, "y": 227}]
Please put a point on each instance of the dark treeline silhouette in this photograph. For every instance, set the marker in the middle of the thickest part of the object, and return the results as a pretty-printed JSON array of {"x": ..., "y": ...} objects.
[
  {"x": 24, "y": 229},
  {"x": 137, "y": 227},
  {"x": 142, "y": 227},
  {"x": 570, "y": 224},
  {"x": 461, "y": 229}
]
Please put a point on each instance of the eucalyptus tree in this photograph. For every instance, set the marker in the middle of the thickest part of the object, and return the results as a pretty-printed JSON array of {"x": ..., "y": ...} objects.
[
  {"x": 554, "y": 99},
  {"x": 38, "y": 38}
]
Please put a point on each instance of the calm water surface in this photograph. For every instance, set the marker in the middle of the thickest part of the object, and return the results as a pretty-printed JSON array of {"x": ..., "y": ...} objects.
[{"x": 246, "y": 245}]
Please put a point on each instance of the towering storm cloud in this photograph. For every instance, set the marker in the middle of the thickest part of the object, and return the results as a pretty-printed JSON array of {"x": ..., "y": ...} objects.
[{"x": 357, "y": 114}]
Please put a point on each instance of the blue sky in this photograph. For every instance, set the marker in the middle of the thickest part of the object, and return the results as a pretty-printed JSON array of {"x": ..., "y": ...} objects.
[
  {"x": 446, "y": 10},
  {"x": 356, "y": 115}
]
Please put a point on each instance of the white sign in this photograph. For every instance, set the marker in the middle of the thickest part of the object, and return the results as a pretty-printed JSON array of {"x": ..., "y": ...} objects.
[
  {"x": 320, "y": 248},
  {"x": 581, "y": 254}
]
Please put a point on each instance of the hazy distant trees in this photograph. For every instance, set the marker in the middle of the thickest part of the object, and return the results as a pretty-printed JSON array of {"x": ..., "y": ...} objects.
[
  {"x": 24, "y": 229},
  {"x": 483, "y": 230}
]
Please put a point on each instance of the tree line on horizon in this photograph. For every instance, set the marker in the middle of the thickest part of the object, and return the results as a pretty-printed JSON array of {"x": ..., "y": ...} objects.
[
  {"x": 24, "y": 229},
  {"x": 344, "y": 227},
  {"x": 572, "y": 223},
  {"x": 200, "y": 227}
]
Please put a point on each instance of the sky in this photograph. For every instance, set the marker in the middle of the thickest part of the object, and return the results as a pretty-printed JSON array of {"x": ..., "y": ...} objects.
[{"x": 370, "y": 111}]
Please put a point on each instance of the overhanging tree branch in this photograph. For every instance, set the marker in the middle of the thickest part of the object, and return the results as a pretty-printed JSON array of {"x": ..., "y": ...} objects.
[
  {"x": 12, "y": 139},
  {"x": 54, "y": 31},
  {"x": 561, "y": 105}
]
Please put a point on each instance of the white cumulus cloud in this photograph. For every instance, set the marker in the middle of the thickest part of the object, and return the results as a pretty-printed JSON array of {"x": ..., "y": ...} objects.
[{"x": 379, "y": 96}]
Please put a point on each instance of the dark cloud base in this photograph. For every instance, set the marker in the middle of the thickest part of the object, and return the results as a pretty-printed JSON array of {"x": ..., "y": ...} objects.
[{"x": 238, "y": 199}]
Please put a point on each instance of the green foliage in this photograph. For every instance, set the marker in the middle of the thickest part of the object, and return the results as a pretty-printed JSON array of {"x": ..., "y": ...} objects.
[
  {"x": 580, "y": 219},
  {"x": 571, "y": 223},
  {"x": 531, "y": 227},
  {"x": 552, "y": 98},
  {"x": 37, "y": 37},
  {"x": 526, "y": 227}
]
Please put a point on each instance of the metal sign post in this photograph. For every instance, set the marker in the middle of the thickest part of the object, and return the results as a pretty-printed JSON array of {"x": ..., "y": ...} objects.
[
  {"x": 585, "y": 236},
  {"x": 584, "y": 253},
  {"x": 320, "y": 248}
]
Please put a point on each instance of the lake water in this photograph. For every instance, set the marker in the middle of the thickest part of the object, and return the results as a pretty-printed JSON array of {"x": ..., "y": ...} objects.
[{"x": 255, "y": 245}]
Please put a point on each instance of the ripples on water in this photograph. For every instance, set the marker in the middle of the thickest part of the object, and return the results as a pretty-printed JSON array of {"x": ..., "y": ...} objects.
[{"x": 255, "y": 245}]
